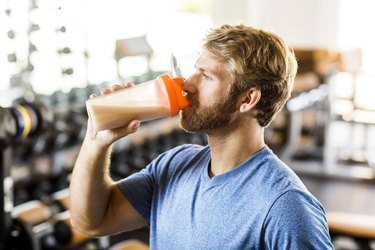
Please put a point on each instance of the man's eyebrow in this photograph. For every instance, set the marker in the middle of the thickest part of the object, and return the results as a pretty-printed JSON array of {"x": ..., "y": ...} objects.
[{"x": 204, "y": 69}]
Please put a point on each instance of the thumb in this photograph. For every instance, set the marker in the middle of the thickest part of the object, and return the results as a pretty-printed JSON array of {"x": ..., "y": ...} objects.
[
  {"x": 134, "y": 125},
  {"x": 131, "y": 128},
  {"x": 110, "y": 136}
]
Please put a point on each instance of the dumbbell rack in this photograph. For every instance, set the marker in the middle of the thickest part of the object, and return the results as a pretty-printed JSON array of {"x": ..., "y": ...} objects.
[
  {"x": 13, "y": 233},
  {"x": 36, "y": 225}
]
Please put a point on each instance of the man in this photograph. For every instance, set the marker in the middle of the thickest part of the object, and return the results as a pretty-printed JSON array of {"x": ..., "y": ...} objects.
[{"x": 232, "y": 194}]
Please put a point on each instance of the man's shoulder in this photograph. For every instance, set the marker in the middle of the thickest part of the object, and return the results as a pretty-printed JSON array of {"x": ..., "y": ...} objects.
[{"x": 275, "y": 177}]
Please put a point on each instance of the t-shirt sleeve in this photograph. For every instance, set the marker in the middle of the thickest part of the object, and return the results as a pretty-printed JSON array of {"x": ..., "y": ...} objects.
[
  {"x": 141, "y": 187},
  {"x": 138, "y": 189},
  {"x": 296, "y": 221}
]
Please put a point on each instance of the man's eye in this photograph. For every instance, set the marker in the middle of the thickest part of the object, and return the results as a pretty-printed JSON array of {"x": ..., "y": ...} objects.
[{"x": 206, "y": 77}]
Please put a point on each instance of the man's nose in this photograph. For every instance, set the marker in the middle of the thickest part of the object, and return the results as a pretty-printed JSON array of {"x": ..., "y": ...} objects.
[{"x": 189, "y": 85}]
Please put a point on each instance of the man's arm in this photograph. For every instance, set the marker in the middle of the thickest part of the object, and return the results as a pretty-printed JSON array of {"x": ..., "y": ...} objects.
[{"x": 97, "y": 206}]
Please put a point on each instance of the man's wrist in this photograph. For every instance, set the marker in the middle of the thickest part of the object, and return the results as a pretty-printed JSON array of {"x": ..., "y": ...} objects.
[{"x": 95, "y": 146}]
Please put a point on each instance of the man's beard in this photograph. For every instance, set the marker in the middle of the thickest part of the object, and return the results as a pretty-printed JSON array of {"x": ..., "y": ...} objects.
[{"x": 218, "y": 115}]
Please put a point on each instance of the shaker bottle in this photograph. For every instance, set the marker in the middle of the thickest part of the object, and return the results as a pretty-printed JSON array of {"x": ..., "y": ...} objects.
[{"x": 161, "y": 97}]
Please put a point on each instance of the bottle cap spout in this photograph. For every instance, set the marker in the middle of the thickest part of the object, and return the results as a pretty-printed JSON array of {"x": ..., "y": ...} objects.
[
  {"x": 176, "y": 95},
  {"x": 174, "y": 67}
]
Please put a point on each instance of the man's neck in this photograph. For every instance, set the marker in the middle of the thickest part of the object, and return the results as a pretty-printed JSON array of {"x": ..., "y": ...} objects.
[{"x": 231, "y": 148}]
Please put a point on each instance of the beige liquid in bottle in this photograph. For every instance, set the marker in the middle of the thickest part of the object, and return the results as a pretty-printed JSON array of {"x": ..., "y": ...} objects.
[{"x": 107, "y": 116}]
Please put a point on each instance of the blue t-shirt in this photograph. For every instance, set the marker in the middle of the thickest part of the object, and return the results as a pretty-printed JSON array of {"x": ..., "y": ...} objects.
[{"x": 260, "y": 204}]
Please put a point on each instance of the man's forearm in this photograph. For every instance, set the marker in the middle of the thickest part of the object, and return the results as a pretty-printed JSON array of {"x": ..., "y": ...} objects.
[{"x": 90, "y": 187}]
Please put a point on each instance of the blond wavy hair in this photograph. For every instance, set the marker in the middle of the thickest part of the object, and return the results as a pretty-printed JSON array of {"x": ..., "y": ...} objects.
[{"x": 256, "y": 58}]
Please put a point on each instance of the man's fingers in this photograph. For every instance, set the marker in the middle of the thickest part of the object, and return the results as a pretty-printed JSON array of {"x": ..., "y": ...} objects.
[
  {"x": 105, "y": 91},
  {"x": 117, "y": 87},
  {"x": 129, "y": 84}
]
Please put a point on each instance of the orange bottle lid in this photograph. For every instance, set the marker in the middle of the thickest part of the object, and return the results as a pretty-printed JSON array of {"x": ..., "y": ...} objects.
[{"x": 177, "y": 99}]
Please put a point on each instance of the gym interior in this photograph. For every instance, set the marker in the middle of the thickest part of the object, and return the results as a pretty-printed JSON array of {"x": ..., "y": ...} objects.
[{"x": 55, "y": 54}]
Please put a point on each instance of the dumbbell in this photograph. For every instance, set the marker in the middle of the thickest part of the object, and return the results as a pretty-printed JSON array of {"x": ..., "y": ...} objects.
[
  {"x": 64, "y": 234},
  {"x": 130, "y": 245},
  {"x": 30, "y": 222},
  {"x": 33, "y": 212},
  {"x": 61, "y": 199}
]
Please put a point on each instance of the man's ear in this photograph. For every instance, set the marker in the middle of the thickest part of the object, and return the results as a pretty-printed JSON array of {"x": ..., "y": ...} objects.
[{"x": 250, "y": 99}]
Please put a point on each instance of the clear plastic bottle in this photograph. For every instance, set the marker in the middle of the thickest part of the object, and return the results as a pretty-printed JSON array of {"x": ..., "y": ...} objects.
[{"x": 161, "y": 97}]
